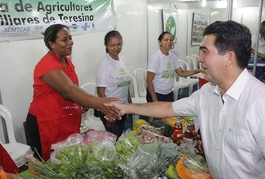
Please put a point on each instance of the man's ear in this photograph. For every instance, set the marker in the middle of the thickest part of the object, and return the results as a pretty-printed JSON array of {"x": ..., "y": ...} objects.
[{"x": 231, "y": 58}]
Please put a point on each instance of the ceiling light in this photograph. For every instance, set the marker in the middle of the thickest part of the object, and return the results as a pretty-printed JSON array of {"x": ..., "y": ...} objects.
[{"x": 204, "y": 3}]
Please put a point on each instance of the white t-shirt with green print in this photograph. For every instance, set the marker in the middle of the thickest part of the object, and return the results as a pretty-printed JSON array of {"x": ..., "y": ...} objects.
[
  {"x": 164, "y": 67},
  {"x": 114, "y": 76}
]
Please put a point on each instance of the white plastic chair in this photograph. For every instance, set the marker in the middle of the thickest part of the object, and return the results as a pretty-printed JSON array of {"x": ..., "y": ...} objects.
[
  {"x": 90, "y": 87},
  {"x": 179, "y": 85},
  {"x": 135, "y": 95},
  {"x": 88, "y": 118},
  {"x": 193, "y": 65},
  {"x": 140, "y": 75},
  {"x": 16, "y": 150},
  {"x": 184, "y": 82},
  {"x": 192, "y": 81},
  {"x": 190, "y": 62},
  {"x": 196, "y": 61}
]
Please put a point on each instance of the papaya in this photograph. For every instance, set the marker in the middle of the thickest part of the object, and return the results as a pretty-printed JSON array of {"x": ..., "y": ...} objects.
[
  {"x": 186, "y": 173},
  {"x": 172, "y": 121},
  {"x": 138, "y": 123},
  {"x": 184, "y": 122}
]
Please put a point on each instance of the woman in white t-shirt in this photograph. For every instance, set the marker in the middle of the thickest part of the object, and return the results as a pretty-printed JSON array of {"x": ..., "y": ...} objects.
[
  {"x": 160, "y": 76},
  {"x": 160, "y": 72},
  {"x": 261, "y": 47},
  {"x": 112, "y": 79}
]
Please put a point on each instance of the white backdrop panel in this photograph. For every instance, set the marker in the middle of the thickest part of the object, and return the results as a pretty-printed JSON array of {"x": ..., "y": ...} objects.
[{"x": 19, "y": 58}]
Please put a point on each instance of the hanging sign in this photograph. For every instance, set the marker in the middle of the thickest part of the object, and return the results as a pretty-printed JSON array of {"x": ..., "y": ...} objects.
[
  {"x": 170, "y": 24},
  {"x": 28, "y": 19}
]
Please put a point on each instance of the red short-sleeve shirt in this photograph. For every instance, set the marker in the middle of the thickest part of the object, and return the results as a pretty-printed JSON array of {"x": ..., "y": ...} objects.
[{"x": 57, "y": 118}]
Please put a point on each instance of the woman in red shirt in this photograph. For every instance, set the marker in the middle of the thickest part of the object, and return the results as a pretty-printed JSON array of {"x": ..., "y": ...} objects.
[{"x": 55, "y": 112}]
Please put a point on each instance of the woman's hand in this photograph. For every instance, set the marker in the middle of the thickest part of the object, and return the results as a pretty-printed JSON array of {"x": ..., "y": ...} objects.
[
  {"x": 262, "y": 56},
  {"x": 84, "y": 109}
]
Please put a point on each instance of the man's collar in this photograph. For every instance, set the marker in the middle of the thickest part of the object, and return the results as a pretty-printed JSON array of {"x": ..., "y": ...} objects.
[{"x": 237, "y": 87}]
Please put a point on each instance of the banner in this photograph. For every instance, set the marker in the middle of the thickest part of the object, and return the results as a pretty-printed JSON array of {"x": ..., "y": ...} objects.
[
  {"x": 28, "y": 19},
  {"x": 170, "y": 24}
]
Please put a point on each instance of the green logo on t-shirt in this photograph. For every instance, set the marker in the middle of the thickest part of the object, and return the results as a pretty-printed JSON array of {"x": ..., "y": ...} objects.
[
  {"x": 169, "y": 65},
  {"x": 122, "y": 71},
  {"x": 168, "y": 73},
  {"x": 123, "y": 81}
]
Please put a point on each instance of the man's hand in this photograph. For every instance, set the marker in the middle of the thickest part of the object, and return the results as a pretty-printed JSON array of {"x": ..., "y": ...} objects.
[
  {"x": 110, "y": 111},
  {"x": 118, "y": 106}
]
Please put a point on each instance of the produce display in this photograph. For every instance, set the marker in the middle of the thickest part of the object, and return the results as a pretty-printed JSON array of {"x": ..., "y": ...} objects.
[{"x": 141, "y": 154}]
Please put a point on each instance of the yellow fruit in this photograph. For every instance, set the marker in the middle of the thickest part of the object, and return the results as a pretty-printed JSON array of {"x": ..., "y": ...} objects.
[{"x": 139, "y": 122}]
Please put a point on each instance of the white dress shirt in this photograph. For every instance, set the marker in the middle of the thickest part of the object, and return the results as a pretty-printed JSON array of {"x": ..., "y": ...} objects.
[{"x": 232, "y": 127}]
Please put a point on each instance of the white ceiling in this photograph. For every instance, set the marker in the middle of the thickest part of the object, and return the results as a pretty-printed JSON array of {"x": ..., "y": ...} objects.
[{"x": 193, "y": 4}]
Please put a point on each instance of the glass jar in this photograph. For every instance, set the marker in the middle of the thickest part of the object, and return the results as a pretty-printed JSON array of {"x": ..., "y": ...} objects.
[
  {"x": 177, "y": 133},
  {"x": 189, "y": 133}
]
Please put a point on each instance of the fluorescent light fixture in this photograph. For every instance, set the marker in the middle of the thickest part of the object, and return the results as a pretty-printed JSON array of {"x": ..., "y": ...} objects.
[
  {"x": 204, "y": 2},
  {"x": 214, "y": 13}
]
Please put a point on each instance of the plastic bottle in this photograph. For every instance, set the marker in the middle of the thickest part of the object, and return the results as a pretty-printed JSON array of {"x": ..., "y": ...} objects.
[{"x": 177, "y": 133}]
